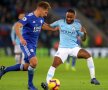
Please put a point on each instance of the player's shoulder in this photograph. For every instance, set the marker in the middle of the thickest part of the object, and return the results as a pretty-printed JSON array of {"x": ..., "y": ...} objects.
[
  {"x": 30, "y": 14},
  {"x": 27, "y": 16},
  {"x": 77, "y": 21}
]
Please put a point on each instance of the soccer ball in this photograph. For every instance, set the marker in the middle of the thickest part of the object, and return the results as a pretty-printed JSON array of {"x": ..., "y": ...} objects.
[{"x": 54, "y": 84}]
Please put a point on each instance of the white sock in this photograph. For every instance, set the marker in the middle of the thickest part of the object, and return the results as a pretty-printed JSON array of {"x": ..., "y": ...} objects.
[
  {"x": 91, "y": 67},
  {"x": 17, "y": 58},
  {"x": 50, "y": 73}
]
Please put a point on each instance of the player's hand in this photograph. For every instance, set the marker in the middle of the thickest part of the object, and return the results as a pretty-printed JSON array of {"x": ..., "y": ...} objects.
[
  {"x": 23, "y": 41},
  {"x": 83, "y": 30}
]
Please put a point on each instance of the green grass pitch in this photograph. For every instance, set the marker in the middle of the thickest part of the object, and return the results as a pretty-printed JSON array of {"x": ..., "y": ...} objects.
[{"x": 79, "y": 80}]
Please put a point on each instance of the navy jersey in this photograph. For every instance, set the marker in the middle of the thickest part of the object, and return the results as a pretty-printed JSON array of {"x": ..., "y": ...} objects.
[{"x": 31, "y": 28}]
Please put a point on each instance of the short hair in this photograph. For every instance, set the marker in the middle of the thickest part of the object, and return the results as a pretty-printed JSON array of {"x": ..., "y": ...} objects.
[
  {"x": 71, "y": 11},
  {"x": 44, "y": 5}
]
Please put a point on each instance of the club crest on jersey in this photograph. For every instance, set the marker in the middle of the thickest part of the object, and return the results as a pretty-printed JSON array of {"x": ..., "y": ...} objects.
[{"x": 73, "y": 29}]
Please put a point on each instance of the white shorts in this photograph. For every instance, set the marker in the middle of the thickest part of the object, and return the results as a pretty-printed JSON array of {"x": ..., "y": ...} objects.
[
  {"x": 17, "y": 49},
  {"x": 63, "y": 53}
]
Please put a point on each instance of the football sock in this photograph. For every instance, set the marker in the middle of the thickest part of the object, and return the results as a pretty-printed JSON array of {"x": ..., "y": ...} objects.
[
  {"x": 30, "y": 75},
  {"x": 17, "y": 58},
  {"x": 16, "y": 67},
  {"x": 91, "y": 67},
  {"x": 73, "y": 61},
  {"x": 50, "y": 73}
]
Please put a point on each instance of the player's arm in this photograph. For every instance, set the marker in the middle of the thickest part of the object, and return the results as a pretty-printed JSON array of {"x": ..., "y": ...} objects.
[
  {"x": 19, "y": 25},
  {"x": 48, "y": 27},
  {"x": 85, "y": 34}
]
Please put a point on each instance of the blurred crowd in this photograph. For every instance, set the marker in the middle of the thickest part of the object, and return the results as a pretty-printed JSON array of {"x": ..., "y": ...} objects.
[{"x": 95, "y": 10}]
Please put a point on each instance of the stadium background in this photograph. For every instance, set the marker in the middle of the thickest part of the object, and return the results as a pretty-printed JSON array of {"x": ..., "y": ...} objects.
[{"x": 93, "y": 15}]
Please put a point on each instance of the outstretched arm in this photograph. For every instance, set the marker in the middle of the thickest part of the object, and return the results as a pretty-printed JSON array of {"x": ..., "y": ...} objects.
[{"x": 48, "y": 27}]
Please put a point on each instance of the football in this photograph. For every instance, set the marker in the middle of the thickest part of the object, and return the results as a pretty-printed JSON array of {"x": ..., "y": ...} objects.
[{"x": 54, "y": 84}]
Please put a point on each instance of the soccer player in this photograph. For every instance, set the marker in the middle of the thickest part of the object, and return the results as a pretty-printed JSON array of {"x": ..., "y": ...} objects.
[
  {"x": 32, "y": 24},
  {"x": 19, "y": 56},
  {"x": 69, "y": 30}
]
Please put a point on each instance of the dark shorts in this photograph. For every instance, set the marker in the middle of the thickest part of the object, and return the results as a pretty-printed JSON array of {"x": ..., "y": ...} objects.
[{"x": 29, "y": 51}]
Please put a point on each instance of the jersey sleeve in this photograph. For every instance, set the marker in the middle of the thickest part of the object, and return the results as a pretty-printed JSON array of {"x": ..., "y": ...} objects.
[
  {"x": 55, "y": 24},
  {"x": 24, "y": 21}
]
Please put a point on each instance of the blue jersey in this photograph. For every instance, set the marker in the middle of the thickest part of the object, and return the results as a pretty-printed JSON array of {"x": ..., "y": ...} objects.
[
  {"x": 68, "y": 33},
  {"x": 14, "y": 37},
  {"x": 30, "y": 32},
  {"x": 31, "y": 28}
]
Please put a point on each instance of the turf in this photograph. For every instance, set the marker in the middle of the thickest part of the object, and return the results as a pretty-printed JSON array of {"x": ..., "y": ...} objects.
[{"x": 78, "y": 80}]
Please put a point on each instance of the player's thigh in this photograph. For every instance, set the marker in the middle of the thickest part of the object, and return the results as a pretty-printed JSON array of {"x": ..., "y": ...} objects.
[
  {"x": 29, "y": 53},
  {"x": 62, "y": 53},
  {"x": 17, "y": 49},
  {"x": 83, "y": 54}
]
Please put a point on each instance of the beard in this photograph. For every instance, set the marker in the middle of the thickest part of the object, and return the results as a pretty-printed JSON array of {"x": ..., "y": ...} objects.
[{"x": 70, "y": 22}]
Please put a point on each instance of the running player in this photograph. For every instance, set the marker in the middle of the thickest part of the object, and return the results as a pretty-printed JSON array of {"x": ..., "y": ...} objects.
[
  {"x": 69, "y": 30},
  {"x": 32, "y": 24}
]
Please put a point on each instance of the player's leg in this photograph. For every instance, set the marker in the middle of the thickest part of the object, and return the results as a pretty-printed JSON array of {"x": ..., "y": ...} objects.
[
  {"x": 68, "y": 63},
  {"x": 33, "y": 63},
  {"x": 84, "y": 54},
  {"x": 57, "y": 61},
  {"x": 17, "y": 67},
  {"x": 73, "y": 63},
  {"x": 18, "y": 58},
  {"x": 30, "y": 54},
  {"x": 59, "y": 58},
  {"x": 17, "y": 52},
  {"x": 22, "y": 58}
]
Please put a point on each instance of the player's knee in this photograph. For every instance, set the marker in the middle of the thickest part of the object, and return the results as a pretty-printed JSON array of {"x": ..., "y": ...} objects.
[
  {"x": 87, "y": 55},
  {"x": 33, "y": 62}
]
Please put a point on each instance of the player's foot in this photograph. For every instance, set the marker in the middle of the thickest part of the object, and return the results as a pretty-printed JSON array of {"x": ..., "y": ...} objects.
[
  {"x": 32, "y": 87},
  {"x": 73, "y": 69},
  {"x": 2, "y": 72},
  {"x": 94, "y": 81},
  {"x": 44, "y": 86}
]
